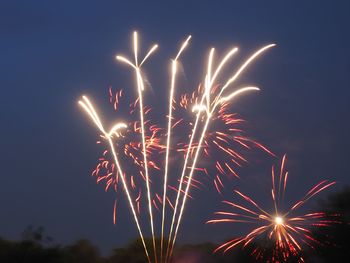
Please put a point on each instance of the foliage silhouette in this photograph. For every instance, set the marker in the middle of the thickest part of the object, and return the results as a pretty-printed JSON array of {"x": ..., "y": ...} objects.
[
  {"x": 36, "y": 246},
  {"x": 336, "y": 246}
]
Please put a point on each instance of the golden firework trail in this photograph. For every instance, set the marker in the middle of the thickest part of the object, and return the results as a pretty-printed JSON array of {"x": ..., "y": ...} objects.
[
  {"x": 168, "y": 145},
  {"x": 129, "y": 146},
  {"x": 209, "y": 108},
  {"x": 288, "y": 232},
  {"x": 140, "y": 88},
  {"x": 87, "y": 106}
]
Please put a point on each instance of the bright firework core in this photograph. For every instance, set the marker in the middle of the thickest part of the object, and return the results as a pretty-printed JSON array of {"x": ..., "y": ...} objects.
[{"x": 278, "y": 220}]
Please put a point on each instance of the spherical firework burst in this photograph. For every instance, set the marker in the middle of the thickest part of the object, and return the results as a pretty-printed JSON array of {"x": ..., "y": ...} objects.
[{"x": 287, "y": 229}]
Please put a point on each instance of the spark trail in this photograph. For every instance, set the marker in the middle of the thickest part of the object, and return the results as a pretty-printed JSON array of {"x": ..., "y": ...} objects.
[
  {"x": 171, "y": 98},
  {"x": 209, "y": 108},
  {"x": 87, "y": 106},
  {"x": 130, "y": 150},
  {"x": 140, "y": 88}
]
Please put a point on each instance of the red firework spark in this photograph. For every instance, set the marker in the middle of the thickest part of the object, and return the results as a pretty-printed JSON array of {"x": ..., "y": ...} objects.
[
  {"x": 287, "y": 230},
  {"x": 130, "y": 145},
  {"x": 223, "y": 149},
  {"x": 224, "y": 146}
]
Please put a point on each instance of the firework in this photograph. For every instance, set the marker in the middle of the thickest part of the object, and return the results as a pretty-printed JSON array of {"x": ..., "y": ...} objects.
[
  {"x": 210, "y": 105},
  {"x": 285, "y": 227},
  {"x": 130, "y": 149},
  {"x": 224, "y": 145},
  {"x": 108, "y": 135},
  {"x": 171, "y": 98},
  {"x": 140, "y": 88}
]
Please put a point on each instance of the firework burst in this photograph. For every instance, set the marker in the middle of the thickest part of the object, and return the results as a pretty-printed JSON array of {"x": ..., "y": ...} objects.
[
  {"x": 129, "y": 144},
  {"x": 287, "y": 229},
  {"x": 140, "y": 142},
  {"x": 209, "y": 103},
  {"x": 225, "y": 144}
]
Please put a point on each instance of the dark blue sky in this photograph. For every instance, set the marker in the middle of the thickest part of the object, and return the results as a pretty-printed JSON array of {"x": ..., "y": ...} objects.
[{"x": 51, "y": 53}]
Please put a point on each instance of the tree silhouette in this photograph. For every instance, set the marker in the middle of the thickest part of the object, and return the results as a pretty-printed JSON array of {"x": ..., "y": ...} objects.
[
  {"x": 36, "y": 246},
  {"x": 335, "y": 238},
  {"x": 83, "y": 252}
]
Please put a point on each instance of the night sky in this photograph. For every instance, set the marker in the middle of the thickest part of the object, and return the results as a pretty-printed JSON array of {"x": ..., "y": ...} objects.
[{"x": 53, "y": 52}]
